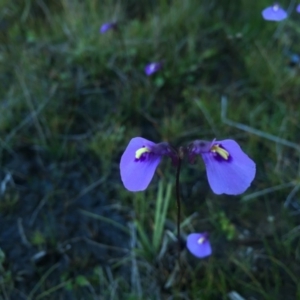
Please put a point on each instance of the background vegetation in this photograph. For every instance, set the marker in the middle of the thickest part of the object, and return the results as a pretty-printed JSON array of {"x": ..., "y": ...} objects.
[{"x": 71, "y": 99}]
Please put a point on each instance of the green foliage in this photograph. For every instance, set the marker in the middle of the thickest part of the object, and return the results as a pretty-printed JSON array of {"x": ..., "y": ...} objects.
[
  {"x": 9, "y": 202},
  {"x": 37, "y": 239},
  {"x": 150, "y": 246},
  {"x": 226, "y": 226}
]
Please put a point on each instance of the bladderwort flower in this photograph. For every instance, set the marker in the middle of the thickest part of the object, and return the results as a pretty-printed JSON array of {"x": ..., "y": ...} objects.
[
  {"x": 140, "y": 160},
  {"x": 298, "y": 8},
  {"x": 274, "y": 13},
  {"x": 198, "y": 244},
  {"x": 153, "y": 68},
  {"x": 229, "y": 170},
  {"x": 108, "y": 26}
]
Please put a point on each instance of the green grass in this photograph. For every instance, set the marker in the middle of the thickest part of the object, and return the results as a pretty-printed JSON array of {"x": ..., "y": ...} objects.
[{"x": 71, "y": 100}]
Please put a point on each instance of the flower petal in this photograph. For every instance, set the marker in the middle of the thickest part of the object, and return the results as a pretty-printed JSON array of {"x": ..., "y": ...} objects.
[
  {"x": 152, "y": 68},
  {"x": 200, "y": 250},
  {"x": 107, "y": 26},
  {"x": 136, "y": 175},
  {"x": 274, "y": 13},
  {"x": 230, "y": 177}
]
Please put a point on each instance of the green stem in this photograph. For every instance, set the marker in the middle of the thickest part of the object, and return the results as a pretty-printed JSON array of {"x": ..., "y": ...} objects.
[{"x": 180, "y": 156}]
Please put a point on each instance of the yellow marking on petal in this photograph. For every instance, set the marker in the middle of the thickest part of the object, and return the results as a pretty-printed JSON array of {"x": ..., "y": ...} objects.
[
  {"x": 201, "y": 240},
  {"x": 222, "y": 152},
  {"x": 141, "y": 151}
]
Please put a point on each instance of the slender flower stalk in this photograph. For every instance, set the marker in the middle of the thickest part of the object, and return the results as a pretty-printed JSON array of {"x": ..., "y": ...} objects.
[
  {"x": 198, "y": 244},
  {"x": 178, "y": 200},
  {"x": 274, "y": 13},
  {"x": 229, "y": 170}
]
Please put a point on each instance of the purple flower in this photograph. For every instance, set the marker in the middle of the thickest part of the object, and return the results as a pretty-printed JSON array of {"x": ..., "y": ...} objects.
[
  {"x": 198, "y": 244},
  {"x": 298, "y": 8},
  {"x": 153, "y": 68},
  {"x": 229, "y": 170},
  {"x": 108, "y": 26},
  {"x": 274, "y": 13},
  {"x": 140, "y": 160}
]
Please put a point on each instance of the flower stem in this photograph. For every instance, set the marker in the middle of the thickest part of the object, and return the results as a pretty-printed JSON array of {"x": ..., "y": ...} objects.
[
  {"x": 122, "y": 42},
  {"x": 180, "y": 157}
]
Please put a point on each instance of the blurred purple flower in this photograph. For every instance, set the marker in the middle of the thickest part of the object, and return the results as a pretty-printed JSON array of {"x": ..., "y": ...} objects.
[
  {"x": 140, "y": 160},
  {"x": 298, "y": 8},
  {"x": 153, "y": 68},
  {"x": 229, "y": 170},
  {"x": 274, "y": 13},
  {"x": 108, "y": 26},
  {"x": 198, "y": 244}
]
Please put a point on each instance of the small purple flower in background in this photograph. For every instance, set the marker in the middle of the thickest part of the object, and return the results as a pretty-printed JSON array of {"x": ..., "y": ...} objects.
[
  {"x": 274, "y": 13},
  {"x": 229, "y": 170},
  {"x": 298, "y": 8},
  {"x": 108, "y": 26},
  {"x": 198, "y": 244},
  {"x": 140, "y": 160},
  {"x": 153, "y": 68}
]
